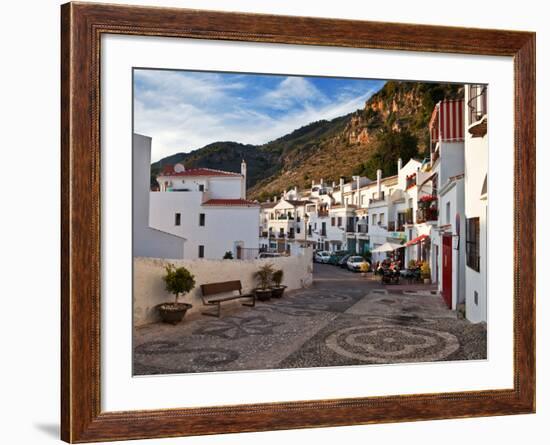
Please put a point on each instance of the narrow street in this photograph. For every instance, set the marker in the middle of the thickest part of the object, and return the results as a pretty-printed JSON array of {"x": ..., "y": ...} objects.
[{"x": 343, "y": 319}]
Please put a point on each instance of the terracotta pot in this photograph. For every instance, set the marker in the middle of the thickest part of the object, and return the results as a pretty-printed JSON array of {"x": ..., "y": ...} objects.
[{"x": 173, "y": 312}]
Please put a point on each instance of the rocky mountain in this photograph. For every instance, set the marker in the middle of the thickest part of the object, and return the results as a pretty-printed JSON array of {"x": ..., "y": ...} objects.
[{"x": 392, "y": 124}]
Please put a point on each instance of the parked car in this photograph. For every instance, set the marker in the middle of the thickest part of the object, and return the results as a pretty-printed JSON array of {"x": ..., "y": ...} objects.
[
  {"x": 269, "y": 255},
  {"x": 343, "y": 262},
  {"x": 355, "y": 263},
  {"x": 335, "y": 257},
  {"x": 322, "y": 257}
]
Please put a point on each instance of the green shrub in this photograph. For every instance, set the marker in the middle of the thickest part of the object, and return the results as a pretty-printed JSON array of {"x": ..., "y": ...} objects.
[{"x": 178, "y": 280}]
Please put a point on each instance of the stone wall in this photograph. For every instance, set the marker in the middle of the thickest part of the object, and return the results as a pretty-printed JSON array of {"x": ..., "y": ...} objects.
[{"x": 149, "y": 286}]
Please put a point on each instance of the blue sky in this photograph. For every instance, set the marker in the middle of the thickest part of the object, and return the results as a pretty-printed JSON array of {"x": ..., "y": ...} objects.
[{"x": 185, "y": 110}]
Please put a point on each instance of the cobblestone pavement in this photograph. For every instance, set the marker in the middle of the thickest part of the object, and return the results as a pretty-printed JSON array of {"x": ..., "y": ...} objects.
[{"x": 343, "y": 319}]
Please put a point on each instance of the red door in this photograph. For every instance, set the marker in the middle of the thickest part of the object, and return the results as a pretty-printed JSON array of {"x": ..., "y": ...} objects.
[{"x": 447, "y": 272}]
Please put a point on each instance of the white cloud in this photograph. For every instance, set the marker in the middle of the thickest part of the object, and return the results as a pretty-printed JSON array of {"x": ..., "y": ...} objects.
[{"x": 185, "y": 112}]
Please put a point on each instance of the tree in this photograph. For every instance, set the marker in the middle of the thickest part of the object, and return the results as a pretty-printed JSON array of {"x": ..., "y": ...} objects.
[
  {"x": 389, "y": 147},
  {"x": 178, "y": 280}
]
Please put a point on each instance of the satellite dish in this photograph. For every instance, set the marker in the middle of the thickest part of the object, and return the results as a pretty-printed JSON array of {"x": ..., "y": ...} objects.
[{"x": 178, "y": 168}]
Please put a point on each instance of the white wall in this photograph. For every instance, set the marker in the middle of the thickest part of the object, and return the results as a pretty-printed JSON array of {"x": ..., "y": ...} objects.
[
  {"x": 224, "y": 226},
  {"x": 146, "y": 241},
  {"x": 38, "y": 371},
  {"x": 476, "y": 160},
  {"x": 225, "y": 187},
  {"x": 451, "y": 161},
  {"x": 149, "y": 286}
]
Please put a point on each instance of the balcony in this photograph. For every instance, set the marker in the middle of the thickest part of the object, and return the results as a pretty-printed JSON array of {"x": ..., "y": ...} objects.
[
  {"x": 410, "y": 181},
  {"x": 290, "y": 235},
  {"x": 322, "y": 214},
  {"x": 350, "y": 228},
  {"x": 427, "y": 214},
  {"x": 477, "y": 110}
]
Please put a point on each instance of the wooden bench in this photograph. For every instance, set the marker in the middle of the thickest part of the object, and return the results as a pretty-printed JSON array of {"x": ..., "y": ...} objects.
[{"x": 222, "y": 288}]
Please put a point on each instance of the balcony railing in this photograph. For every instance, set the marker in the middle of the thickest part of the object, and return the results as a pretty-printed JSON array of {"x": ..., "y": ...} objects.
[
  {"x": 477, "y": 103},
  {"x": 350, "y": 228},
  {"x": 322, "y": 213},
  {"x": 410, "y": 181},
  {"x": 427, "y": 214},
  {"x": 391, "y": 226},
  {"x": 290, "y": 235}
]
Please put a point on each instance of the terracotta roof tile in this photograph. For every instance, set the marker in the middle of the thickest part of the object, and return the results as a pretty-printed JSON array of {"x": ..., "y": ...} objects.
[
  {"x": 230, "y": 203},
  {"x": 168, "y": 170}
]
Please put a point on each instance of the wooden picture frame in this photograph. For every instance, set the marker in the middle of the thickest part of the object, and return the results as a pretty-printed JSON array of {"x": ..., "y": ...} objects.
[{"x": 82, "y": 26}]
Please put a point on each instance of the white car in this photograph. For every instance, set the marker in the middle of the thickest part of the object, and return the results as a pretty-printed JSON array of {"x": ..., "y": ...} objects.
[
  {"x": 357, "y": 263},
  {"x": 322, "y": 257}
]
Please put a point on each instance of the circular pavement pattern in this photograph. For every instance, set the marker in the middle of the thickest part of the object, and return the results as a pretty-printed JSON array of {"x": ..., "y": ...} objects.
[{"x": 389, "y": 343}]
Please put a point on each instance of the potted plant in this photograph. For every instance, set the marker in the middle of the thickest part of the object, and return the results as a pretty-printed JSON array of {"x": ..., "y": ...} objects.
[
  {"x": 228, "y": 255},
  {"x": 278, "y": 289},
  {"x": 178, "y": 281},
  {"x": 263, "y": 276},
  {"x": 426, "y": 273}
]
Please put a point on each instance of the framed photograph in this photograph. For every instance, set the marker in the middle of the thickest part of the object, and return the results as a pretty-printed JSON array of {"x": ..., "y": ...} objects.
[{"x": 275, "y": 222}]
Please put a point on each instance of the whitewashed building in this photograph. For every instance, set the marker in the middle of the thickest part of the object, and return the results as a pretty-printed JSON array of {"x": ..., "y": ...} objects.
[
  {"x": 147, "y": 241},
  {"x": 476, "y": 153},
  {"x": 209, "y": 209},
  {"x": 447, "y": 175}
]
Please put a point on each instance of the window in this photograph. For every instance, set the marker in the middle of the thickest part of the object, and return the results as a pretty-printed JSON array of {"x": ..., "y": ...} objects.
[
  {"x": 448, "y": 213},
  {"x": 202, "y": 219},
  {"x": 201, "y": 187},
  {"x": 177, "y": 220},
  {"x": 339, "y": 221},
  {"x": 381, "y": 219},
  {"x": 201, "y": 251},
  {"x": 472, "y": 243},
  {"x": 332, "y": 221},
  {"x": 374, "y": 219}
]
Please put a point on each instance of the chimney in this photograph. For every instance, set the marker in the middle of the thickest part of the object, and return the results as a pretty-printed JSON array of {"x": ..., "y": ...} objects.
[
  {"x": 399, "y": 165},
  {"x": 379, "y": 181},
  {"x": 243, "y": 181}
]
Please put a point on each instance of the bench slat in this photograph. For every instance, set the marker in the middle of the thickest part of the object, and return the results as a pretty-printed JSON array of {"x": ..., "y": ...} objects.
[{"x": 220, "y": 288}]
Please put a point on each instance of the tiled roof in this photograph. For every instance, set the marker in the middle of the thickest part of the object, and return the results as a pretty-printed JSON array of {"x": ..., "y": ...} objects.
[
  {"x": 297, "y": 203},
  {"x": 168, "y": 170},
  {"x": 230, "y": 203}
]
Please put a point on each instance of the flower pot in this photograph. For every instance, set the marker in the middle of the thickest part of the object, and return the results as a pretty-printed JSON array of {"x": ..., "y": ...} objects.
[
  {"x": 263, "y": 294},
  {"x": 277, "y": 291},
  {"x": 173, "y": 312}
]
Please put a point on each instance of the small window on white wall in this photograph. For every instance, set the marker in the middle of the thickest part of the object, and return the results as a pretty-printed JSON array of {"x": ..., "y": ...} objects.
[
  {"x": 448, "y": 213},
  {"x": 177, "y": 219}
]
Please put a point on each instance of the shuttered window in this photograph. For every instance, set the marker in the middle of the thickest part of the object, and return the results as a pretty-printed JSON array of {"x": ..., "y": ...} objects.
[{"x": 472, "y": 243}]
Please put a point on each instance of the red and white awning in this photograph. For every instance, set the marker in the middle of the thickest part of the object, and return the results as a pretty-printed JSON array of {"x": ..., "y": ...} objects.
[{"x": 416, "y": 240}]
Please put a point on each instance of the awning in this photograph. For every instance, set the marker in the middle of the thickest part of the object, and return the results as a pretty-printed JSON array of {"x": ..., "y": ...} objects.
[
  {"x": 387, "y": 247},
  {"x": 416, "y": 240}
]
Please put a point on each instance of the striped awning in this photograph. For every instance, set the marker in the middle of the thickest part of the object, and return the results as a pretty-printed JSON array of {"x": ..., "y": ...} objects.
[
  {"x": 416, "y": 240},
  {"x": 447, "y": 121}
]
